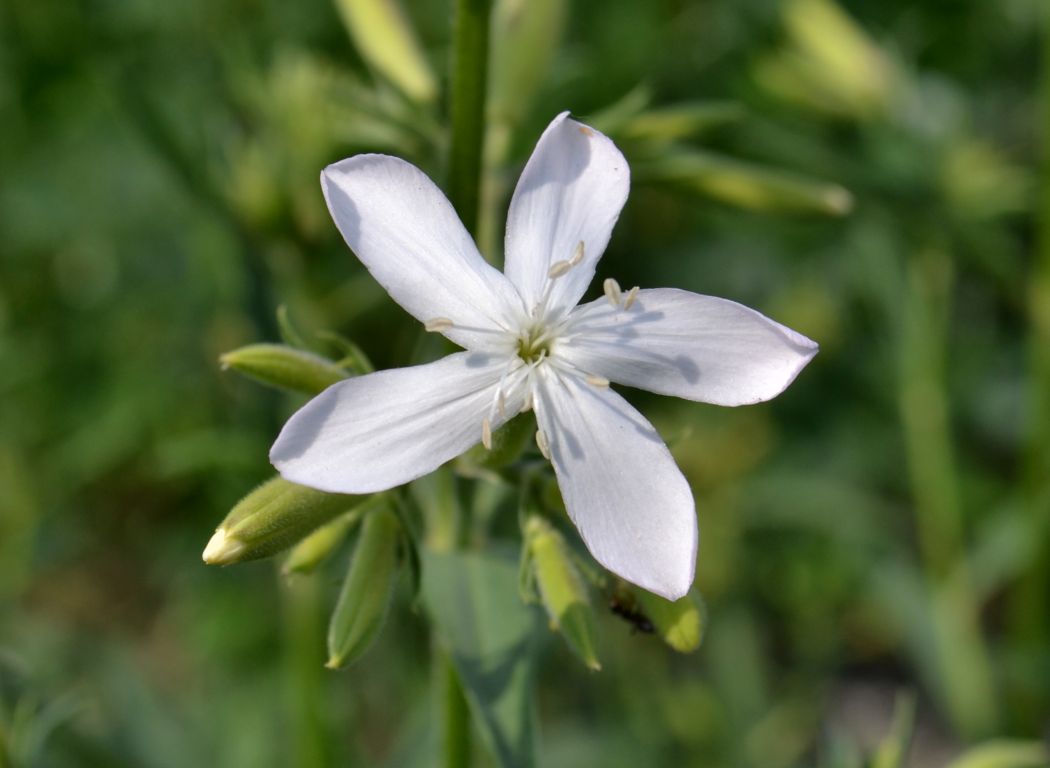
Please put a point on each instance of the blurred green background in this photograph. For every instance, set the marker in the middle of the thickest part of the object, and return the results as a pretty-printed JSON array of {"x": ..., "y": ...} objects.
[{"x": 867, "y": 173}]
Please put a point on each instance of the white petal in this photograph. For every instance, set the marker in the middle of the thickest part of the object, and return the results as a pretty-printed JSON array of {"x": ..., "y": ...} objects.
[
  {"x": 680, "y": 343},
  {"x": 407, "y": 234},
  {"x": 571, "y": 191},
  {"x": 620, "y": 484},
  {"x": 379, "y": 431}
]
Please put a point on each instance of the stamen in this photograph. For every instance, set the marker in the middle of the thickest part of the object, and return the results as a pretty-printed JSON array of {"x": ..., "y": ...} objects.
[
  {"x": 501, "y": 404},
  {"x": 631, "y": 296},
  {"x": 612, "y": 291},
  {"x": 558, "y": 269},
  {"x": 543, "y": 444},
  {"x": 597, "y": 381},
  {"x": 577, "y": 255},
  {"x": 526, "y": 406},
  {"x": 438, "y": 324},
  {"x": 486, "y": 433}
]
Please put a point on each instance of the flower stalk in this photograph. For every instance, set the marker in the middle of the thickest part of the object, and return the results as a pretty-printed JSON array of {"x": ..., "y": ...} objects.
[{"x": 470, "y": 55}]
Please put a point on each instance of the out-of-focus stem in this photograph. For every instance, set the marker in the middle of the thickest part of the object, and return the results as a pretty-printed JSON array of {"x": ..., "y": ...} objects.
[
  {"x": 1028, "y": 612},
  {"x": 304, "y": 614},
  {"x": 967, "y": 691},
  {"x": 455, "y": 736},
  {"x": 469, "y": 79}
]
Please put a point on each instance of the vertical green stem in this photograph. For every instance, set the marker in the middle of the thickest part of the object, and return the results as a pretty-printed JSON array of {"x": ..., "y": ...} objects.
[
  {"x": 1029, "y": 617},
  {"x": 304, "y": 612},
  {"x": 470, "y": 58},
  {"x": 964, "y": 669},
  {"x": 455, "y": 741},
  {"x": 469, "y": 77}
]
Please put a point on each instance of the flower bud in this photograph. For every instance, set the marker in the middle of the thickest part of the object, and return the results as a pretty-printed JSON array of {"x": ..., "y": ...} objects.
[
  {"x": 746, "y": 185},
  {"x": 367, "y": 590},
  {"x": 385, "y": 39},
  {"x": 561, "y": 588},
  {"x": 284, "y": 367},
  {"x": 272, "y": 518},
  {"x": 679, "y": 623},
  {"x": 316, "y": 548}
]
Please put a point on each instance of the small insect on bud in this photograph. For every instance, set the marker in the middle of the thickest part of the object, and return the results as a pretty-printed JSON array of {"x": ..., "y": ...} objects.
[{"x": 679, "y": 623}]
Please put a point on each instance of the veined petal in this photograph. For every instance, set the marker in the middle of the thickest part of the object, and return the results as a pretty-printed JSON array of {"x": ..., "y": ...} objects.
[
  {"x": 379, "y": 431},
  {"x": 620, "y": 484},
  {"x": 407, "y": 234},
  {"x": 680, "y": 343},
  {"x": 571, "y": 192}
]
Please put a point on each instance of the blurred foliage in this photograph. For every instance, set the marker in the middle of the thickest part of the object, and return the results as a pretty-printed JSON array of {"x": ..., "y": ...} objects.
[{"x": 883, "y": 526}]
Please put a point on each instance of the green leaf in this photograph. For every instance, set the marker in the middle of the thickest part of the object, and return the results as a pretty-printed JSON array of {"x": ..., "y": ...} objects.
[
  {"x": 284, "y": 367},
  {"x": 893, "y": 749},
  {"x": 1004, "y": 753},
  {"x": 492, "y": 638}
]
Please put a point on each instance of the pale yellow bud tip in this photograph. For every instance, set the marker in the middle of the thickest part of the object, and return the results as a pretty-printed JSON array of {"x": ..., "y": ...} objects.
[{"x": 221, "y": 549}]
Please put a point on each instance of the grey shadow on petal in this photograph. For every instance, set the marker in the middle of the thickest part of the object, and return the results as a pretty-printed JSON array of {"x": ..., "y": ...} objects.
[
  {"x": 308, "y": 421},
  {"x": 636, "y": 420}
]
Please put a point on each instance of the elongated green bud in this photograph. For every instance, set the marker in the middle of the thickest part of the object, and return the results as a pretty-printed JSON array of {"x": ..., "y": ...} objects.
[
  {"x": 284, "y": 367},
  {"x": 562, "y": 590},
  {"x": 367, "y": 590},
  {"x": 272, "y": 518},
  {"x": 316, "y": 548},
  {"x": 746, "y": 185},
  {"x": 679, "y": 623},
  {"x": 385, "y": 39},
  {"x": 681, "y": 121}
]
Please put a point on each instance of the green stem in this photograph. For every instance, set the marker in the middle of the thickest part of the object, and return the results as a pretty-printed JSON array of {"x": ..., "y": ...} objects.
[
  {"x": 455, "y": 746},
  {"x": 1029, "y": 618},
  {"x": 964, "y": 669},
  {"x": 470, "y": 55}
]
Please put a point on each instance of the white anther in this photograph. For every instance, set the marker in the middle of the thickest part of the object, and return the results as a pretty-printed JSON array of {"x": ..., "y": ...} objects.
[
  {"x": 612, "y": 291},
  {"x": 543, "y": 444},
  {"x": 577, "y": 255},
  {"x": 558, "y": 269},
  {"x": 437, "y": 325},
  {"x": 486, "y": 433},
  {"x": 597, "y": 381},
  {"x": 501, "y": 404},
  {"x": 631, "y": 296},
  {"x": 526, "y": 406}
]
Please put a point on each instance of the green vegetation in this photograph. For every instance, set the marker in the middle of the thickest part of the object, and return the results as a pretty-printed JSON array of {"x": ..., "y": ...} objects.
[{"x": 873, "y": 586}]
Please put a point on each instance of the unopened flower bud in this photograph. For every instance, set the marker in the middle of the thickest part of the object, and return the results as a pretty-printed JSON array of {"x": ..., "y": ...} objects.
[
  {"x": 272, "y": 518},
  {"x": 319, "y": 545},
  {"x": 284, "y": 367},
  {"x": 561, "y": 588},
  {"x": 361, "y": 609}
]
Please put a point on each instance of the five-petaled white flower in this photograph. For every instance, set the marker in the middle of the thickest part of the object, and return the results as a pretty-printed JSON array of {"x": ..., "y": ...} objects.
[{"x": 528, "y": 345}]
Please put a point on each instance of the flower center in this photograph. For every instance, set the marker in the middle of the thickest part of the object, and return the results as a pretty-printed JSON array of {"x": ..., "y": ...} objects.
[{"x": 534, "y": 344}]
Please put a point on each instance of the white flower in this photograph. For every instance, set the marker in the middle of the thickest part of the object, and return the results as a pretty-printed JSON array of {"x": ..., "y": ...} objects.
[{"x": 528, "y": 345}]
